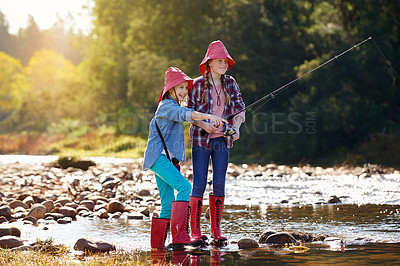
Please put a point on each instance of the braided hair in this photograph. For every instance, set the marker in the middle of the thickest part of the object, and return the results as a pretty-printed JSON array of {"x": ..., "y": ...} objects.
[{"x": 206, "y": 83}]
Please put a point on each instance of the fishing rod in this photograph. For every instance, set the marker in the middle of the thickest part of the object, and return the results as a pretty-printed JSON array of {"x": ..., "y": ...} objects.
[{"x": 271, "y": 95}]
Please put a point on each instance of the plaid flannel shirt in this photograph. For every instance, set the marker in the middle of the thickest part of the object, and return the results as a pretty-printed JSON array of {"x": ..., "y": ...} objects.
[{"x": 198, "y": 135}]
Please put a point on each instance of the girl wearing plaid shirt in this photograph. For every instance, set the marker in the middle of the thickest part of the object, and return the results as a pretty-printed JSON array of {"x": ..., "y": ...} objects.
[{"x": 218, "y": 94}]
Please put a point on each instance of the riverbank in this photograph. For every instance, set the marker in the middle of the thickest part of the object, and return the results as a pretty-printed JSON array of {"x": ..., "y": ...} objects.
[{"x": 113, "y": 200}]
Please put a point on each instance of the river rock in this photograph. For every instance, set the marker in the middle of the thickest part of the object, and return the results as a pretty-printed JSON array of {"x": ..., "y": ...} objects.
[
  {"x": 32, "y": 219},
  {"x": 145, "y": 211},
  {"x": 20, "y": 209},
  {"x": 84, "y": 195},
  {"x": 144, "y": 192},
  {"x": 263, "y": 238},
  {"x": 3, "y": 219},
  {"x": 281, "y": 238},
  {"x": 95, "y": 199},
  {"x": 54, "y": 215},
  {"x": 29, "y": 201},
  {"x": 19, "y": 215},
  {"x": 115, "y": 206},
  {"x": 67, "y": 211},
  {"x": 38, "y": 211},
  {"x": 103, "y": 214},
  {"x": 99, "y": 207},
  {"x": 81, "y": 209},
  {"x": 9, "y": 230},
  {"x": 135, "y": 216},
  {"x": 10, "y": 241},
  {"x": 334, "y": 199},
  {"x": 89, "y": 245},
  {"x": 88, "y": 204},
  {"x": 73, "y": 205},
  {"x": 17, "y": 203},
  {"x": 65, "y": 220},
  {"x": 63, "y": 200},
  {"x": 246, "y": 243},
  {"x": 49, "y": 204},
  {"x": 5, "y": 211},
  {"x": 207, "y": 214}
]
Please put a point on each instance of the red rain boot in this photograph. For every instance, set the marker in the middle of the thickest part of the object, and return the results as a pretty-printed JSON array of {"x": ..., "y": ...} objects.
[
  {"x": 216, "y": 208},
  {"x": 159, "y": 232},
  {"x": 180, "y": 225},
  {"x": 196, "y": 206}
]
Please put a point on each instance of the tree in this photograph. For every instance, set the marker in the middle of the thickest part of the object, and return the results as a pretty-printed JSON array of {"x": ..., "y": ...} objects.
[
  {"x": 12, "y": 83},
  {"x": 56, "y": 90},
  {"x": 6, "y": 41}
]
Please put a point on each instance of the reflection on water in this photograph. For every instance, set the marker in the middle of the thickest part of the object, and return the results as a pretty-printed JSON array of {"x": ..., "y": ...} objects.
[
  {"x": 368, "y": 221},
  {"x": 354, "y": 224}
]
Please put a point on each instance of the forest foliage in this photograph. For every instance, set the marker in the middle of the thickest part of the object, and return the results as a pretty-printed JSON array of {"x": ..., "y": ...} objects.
[{"x": 347, "y": 111}]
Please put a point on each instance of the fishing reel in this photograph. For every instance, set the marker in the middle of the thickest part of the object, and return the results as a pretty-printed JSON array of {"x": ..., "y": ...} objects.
[{"x": 229, "y": 131}]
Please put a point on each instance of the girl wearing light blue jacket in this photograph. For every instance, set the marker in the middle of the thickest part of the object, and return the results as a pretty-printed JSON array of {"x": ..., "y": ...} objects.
[{"x": 169, "y": 118}]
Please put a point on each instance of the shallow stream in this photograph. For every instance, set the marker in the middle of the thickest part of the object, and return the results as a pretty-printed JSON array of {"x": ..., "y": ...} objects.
[{"x": 367, "y": 220}]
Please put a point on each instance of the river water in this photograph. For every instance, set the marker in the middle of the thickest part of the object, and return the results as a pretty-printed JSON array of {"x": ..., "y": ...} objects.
[{"x": 367, "y": 221}]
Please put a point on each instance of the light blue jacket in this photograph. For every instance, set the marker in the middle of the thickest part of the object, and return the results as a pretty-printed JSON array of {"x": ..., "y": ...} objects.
[{"x": 170, "y": 117}]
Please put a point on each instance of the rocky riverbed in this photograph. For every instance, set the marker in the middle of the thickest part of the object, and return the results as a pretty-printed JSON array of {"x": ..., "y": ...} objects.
[{"x": 59, "y": 192}]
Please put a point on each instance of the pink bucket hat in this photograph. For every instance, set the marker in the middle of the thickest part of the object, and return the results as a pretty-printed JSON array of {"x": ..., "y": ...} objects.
[
  {"x": 216, "y": 50},
  {"x": 174, "y": 76}
]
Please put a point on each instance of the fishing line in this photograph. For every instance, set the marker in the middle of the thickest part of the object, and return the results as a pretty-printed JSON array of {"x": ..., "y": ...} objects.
[
  {"x": 387, "y": 61},
  {"x": 271, "y": 95}
]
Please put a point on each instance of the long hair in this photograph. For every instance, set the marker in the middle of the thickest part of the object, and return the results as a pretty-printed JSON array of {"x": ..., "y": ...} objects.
[{"x": 206, "y": 83}]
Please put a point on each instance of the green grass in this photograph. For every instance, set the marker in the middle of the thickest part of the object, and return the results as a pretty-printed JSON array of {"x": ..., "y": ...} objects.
[
  {"x": 8, "y": 257},
  {"x": 47, "y": 253}
]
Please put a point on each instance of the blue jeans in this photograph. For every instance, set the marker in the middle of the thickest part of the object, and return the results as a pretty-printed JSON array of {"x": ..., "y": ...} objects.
[
  {"x": 169, "y": 178},
  {"x": 219, "y": 154}
]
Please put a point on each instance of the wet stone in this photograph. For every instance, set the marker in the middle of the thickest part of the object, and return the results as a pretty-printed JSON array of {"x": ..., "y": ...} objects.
[
  {"x": 334, "y": 199},
  {"x": 17, "y": 203},
  {"x": 68, "y": 211},
  {"x": 135, "y": 216},
  {"x": 38, "y": 211},
  {"x": 5, "y": 211},
  {"x": 10, "y": 241},
  {"x": 54, "y": 216},
  {"x": 115, "y": 206},
  {"x": 265, "y": 235},
  {"x": 65, "y": 220},
  {"x": 247, "y": 243},
  {"x": 30, "y": 218},
  {"x": 281, "y": 238},
  {"x": 6, "y": 229},
  {"x": 89, "y": 245}
]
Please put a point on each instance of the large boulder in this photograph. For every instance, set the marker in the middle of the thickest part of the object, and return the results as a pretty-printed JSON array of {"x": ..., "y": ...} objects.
[
  {"x": 89, "y": 245},
  {"x": 10, "y": 242}
]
